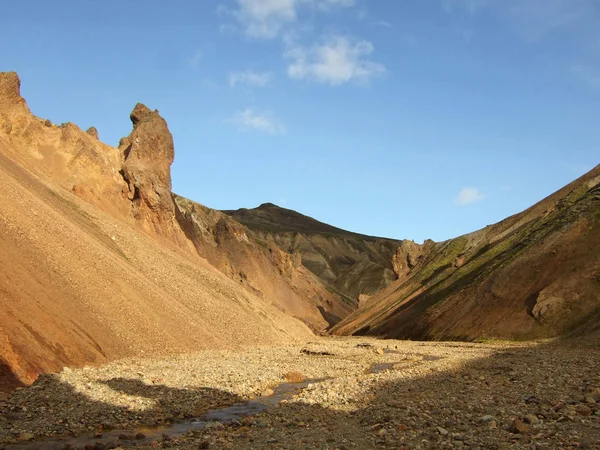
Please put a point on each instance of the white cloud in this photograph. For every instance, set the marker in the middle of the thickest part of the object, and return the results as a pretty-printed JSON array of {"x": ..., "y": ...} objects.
[
  {"x": 587, "y": 74},
  {"x": 250, "y": 78},
  {"x": 250, "y": 120},
  {"x": 336, "y": 60},
  {"x": 467, "y": 196},
  {"x": 266, "y": 19}
]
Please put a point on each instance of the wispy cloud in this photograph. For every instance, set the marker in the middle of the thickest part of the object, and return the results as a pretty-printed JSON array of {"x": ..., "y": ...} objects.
[
  {"x": 589, "y": 75},
  {"x": 383, "y": 23},
  {"x": 470, "y": 5},
  {"x": 250, "y": 120},
  {"x": 266, "y": 19},
  {"x": 194, "y": 60},
  {"x": 326, "y": 5},
  {"x": 335, "y": 61},
  {"x": 468, "y": 195},
  {"x": 250, "y": 78}
]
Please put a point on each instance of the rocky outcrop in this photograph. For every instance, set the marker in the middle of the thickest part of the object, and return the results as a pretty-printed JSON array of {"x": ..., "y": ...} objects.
[
  {"x": 10, "y": 90},
  {"x": 93, "y": 132},
  {"x": 148, "y": 153},
  {"x": 407, "y": 257}
]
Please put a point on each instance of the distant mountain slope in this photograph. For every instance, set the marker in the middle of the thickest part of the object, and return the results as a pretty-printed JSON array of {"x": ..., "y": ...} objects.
[
  {"x": 535, "y": 274},
  {"x": 350, "y": 263},
  {"x": 260, "y": 266}
]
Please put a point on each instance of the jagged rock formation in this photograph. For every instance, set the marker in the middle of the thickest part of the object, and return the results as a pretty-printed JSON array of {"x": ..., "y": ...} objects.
[
  {"x": 535, "y": 274},
  {"x": 350, "y": 263},
  {"x": 148, "y": 153}
]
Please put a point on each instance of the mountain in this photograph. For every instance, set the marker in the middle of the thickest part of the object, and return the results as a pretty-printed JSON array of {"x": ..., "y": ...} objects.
[
  {"x": 352, "y": 264},
  {"x": 535, "y": 274},
  {"x": 100, "y": 260}
]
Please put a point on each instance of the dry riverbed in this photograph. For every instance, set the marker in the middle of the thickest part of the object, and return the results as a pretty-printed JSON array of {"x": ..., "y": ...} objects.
[{"x": 350, "y": 393}]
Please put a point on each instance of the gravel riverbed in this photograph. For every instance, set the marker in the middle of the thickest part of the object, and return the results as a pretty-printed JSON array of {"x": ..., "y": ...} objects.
[{"x": 370, "y": 394}]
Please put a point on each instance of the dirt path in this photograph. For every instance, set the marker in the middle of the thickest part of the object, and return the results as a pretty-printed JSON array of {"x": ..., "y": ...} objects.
[{"x": 422, "y": 395}]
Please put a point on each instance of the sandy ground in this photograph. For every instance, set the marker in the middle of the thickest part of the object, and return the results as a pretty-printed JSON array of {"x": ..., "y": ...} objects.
[{"x": 372, "y": 394}]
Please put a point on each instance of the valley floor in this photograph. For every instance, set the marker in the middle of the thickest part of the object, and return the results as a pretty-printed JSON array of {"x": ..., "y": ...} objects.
[{"x": 360, "y": 393}]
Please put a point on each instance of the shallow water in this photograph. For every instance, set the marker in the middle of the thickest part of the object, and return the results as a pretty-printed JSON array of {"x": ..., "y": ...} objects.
[{"x": 114, "y": 438}]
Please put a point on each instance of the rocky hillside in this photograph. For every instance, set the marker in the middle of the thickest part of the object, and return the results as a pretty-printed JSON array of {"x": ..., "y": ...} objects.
[
  {"x": 261, "y": 266},
  {"x": 535, "y": 274},
  {"x": 352, "y": 264},
  {"x": 100, "y": 260}
]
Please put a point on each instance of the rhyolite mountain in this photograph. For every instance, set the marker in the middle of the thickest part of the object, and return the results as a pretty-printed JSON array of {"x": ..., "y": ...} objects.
[
  {"x": 349, "y": 263},
  {"x": 533, "y": 275},
  {"x": 100, "y": 260}
]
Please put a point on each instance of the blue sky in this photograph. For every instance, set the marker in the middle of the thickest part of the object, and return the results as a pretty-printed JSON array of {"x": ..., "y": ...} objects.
[{"x": 402, "y": 118}]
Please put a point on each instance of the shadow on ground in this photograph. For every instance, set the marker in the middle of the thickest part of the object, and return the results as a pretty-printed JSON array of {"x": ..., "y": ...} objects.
[{"x": 547, "y": 385}]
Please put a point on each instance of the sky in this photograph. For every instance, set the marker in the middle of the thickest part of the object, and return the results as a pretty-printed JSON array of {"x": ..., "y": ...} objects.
[{"x": 410, "y": 119}]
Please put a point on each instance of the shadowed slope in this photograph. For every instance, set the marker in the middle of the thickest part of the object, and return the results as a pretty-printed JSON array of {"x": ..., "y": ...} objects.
[{"x": 534, "y": 274}]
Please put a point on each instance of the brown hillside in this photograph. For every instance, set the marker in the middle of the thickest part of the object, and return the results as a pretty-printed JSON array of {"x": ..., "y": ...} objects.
[
  {"x": 94, "y": 263},
  {"x": 350, "y": 263},
  {"x": 535, "y": 274},
  {"x": 261, "y": 266}
]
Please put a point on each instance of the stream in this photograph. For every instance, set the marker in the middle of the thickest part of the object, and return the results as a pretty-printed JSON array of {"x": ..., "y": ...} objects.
[
  {"x": 236, "y": 412},
  {"x": 146, "y": 435}
]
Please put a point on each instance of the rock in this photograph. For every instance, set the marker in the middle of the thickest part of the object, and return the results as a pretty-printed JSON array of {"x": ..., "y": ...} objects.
[
  {"x": 492, "y": 424},
  {"x": 442, "y": 431},
  {"x": 93, "y": 132},
  {"x": 47, "y": 123},
  {"x": 379, "y": 351},
  {"x": 520, "y": 427},
  {"x": 267, "y": 392},
  {"x": 140, "y": 112},
  {"x": 140, "y": 436},
  {"x": 10, "y": 89},
  {"x": 26, "y": 437},
  {"x": 531, "y": 419},
  {"x": 584, "y": 410},
  {"x": 407, "y": 256},
  {"x": 262, "y": 423}
]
